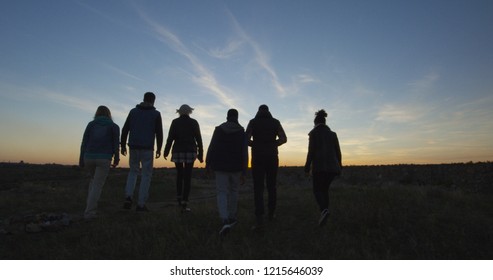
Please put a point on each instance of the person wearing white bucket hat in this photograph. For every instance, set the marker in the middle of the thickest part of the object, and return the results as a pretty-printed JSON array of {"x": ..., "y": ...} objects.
[{"x": 185, "y": 143}]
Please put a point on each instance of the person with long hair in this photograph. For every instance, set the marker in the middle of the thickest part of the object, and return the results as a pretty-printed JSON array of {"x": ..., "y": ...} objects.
[
  {"x": 324, "y": 159},
  {"x": 99, "y": 146},
  {"x": 185, "y": 143}
]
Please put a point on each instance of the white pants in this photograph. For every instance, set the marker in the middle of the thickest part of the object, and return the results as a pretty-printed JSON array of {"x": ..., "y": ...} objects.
[
  {"x": 100, "y": 168},
  {"x": 227, "y": 185}
]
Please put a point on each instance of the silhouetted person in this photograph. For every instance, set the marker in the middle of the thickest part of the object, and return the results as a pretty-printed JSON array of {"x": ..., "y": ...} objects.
[
  {"x": 184, "y": 135},
  {"x": 227, "y": 156},
  {"x": 325, "y": 161},
  {"x": 267, "y": 134},
  {"x": 145, "y": 125},
  {"x": 99, "y": 146}
]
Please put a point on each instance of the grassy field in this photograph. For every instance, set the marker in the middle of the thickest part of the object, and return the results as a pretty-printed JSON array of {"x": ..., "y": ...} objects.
[{"x": 368, "y": 221}]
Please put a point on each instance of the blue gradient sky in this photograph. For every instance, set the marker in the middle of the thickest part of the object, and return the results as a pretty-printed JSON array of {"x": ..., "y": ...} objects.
[{"x": 402, "y": 81}]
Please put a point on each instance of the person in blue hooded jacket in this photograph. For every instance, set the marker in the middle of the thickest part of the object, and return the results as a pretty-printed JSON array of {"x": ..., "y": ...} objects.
[
  {"x": 143, "y": 126},
  {"x": 100, "y": 144}
]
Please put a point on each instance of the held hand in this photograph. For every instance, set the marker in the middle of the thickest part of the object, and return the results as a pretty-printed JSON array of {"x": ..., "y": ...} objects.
[
  {"x": 158, "y": 154},
  {"x": 123, "y": 152}
]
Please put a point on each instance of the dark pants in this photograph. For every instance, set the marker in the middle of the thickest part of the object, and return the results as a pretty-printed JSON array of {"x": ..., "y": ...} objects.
[
  {"x": 321, "y": 184},
  {"x": 183, "y": 180},
  {"x": 264, "y": 171}
]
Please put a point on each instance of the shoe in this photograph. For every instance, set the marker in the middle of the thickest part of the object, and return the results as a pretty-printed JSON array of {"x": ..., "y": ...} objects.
[
  {"x": 184, "y": 207},
  {"x": 323, "y": 217},
  {"x": 225, "y": 230},
  {"x": 232, "y": 222},
  {"x": 141, "y": 209},
  {"x": 128, "y": 203}
]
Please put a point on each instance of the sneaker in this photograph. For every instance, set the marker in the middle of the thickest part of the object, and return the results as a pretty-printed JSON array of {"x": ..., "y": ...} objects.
[
  {"x": 184, "y": 207},
  {"x": 141, "y": 209},
  {"x": 323, "y": 217},
  {"x": 232, "y": 222},
  {"x": 128, "y": 203},
  {"x": 225, "y": 229}
]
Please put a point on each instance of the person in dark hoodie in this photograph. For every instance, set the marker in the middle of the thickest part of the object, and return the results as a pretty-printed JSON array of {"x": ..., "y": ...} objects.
[
  {"x": 144, "y": 124},
  {"x": 185, "y": 139},
  {"x": 324, "y": 159},
  {"x": 227, "y": 156},
  {"x": 267, "y": 134},
  {"x": 99, "y": 145}
]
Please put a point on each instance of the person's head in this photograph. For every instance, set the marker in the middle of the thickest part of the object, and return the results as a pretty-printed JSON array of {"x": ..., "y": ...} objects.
[
  {"x": 149, "y": 97},
  {"x": 102, "y": 111},
  {"x": 232, "y": 115},
  {"x": 263, "y": 108},
  {"x": 320, "y": 117},
  {"x": 184, "y": 110}
]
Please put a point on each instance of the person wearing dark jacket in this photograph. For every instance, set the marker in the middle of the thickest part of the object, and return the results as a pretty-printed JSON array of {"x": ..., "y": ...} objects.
[
  {"x": 267, "y": 134},
  {"x": 227, "y": 156},
  {"x": 185, "y": 143},
  {"x": 144, "y": 124},
  {"x": 324, "y": 159},
  {"x": 99, "y": 145}
]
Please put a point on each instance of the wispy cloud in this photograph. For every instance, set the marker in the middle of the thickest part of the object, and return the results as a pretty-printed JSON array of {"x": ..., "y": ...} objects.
[
  {"x": 392, "y": 113},
  {"x": 425, "y": 83},
  {"x": 203, "y": 77},
  {"x": 231, "y": 49},
  {"x": 122, "y": 72},
  {"x": 261, "y": 57}
]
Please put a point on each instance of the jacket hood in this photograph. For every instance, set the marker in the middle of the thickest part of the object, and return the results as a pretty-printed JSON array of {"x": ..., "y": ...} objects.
[
  {"x": 101, "y": 120},
  {"x": 145, "y": 106},
  {"x": 263, "y": 114},
  {"x": 230, "y": 127}
]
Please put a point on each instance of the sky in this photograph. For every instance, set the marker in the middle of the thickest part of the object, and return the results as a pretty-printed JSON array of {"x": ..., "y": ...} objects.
[{"x": 403, "y": 82}]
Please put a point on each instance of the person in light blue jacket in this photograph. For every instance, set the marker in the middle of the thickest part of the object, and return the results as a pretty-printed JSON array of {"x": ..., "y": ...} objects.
[{"x": 100, "y": 144}]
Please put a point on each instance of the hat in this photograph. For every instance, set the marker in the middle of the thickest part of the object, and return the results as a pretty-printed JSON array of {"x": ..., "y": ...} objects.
[{"x": 185, "y": 110}]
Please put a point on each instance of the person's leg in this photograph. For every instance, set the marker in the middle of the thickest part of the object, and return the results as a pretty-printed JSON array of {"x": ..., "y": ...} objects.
[
  {"x": 271, "y": 182},
  {"x": 222, "y": 195},
  {"x": 101, "y": 169},
  {"x": 134, "y": 164},
  {"x": 179, "y": 181},
  {"x": 320, "y": 190},
  {"x": 258, "y": 173},
  {"x": 187, "y": 181},
  {"x": 234, "y": 187},
  {"x": 147, "y": 158}
]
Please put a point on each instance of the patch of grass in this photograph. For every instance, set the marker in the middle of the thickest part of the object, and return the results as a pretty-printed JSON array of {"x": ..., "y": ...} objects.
[{"x": 390, "y": 221}]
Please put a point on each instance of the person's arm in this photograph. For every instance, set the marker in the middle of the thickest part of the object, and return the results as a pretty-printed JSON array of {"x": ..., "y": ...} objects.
[
  {"x": 282, "y": 138},
  {"x": 338, "y": 150},
  {"x": 83, "y": 145},
  {"x": 116, "y": 146},
  {"x": 169, "y": 140},
  {"x": 309, "y": 156},
  {"x": 249, "y": 132},
  {"x": 159, "y": 135},
  {"x": 198, "y": 139},
  {"x": 211, "y": 151},
  {"x": 123, "y": 140}
]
